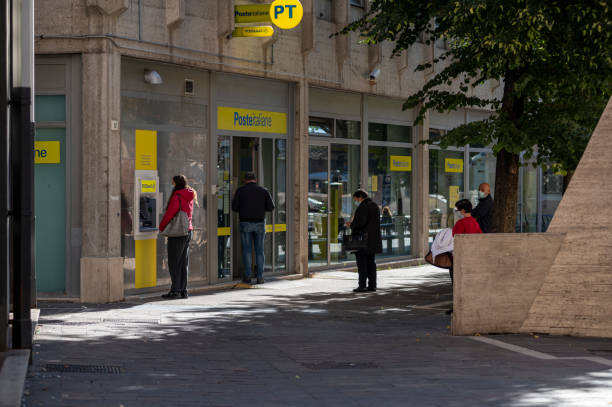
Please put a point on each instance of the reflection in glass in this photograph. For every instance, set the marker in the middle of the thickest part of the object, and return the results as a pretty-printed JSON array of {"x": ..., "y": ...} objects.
[
  {"x": 321, "y": 127},
  {"x": 280, "y": 234},
  {"x": 267, "y": 181},
  {"x": 552, "y": 192},
  {"x": 390, "y": 186},
  {"x": 389, "y": 132},
  {"x": 529, "y": 216},
  {"x": 348, "y": 129},
  {"x": 445, "y": 188},
  {"x": 345, "y": 167},
  {"x": 224, "y": 192},
  {"x": 317, "y": 205},
  {"x": 482, "y": 169}
]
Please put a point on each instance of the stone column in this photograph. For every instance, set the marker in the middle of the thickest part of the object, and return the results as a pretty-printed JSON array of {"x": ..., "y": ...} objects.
[
  {"x": 101, "y": 262},
  {"x": 300, "y": 183},
  {"x": 420, "y": 179}
]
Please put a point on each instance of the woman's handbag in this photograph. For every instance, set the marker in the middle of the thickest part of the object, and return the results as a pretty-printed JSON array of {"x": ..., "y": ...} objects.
[
  {"x": 443, "y": 260},
  {"x": 355, "y": 242},
  {"x": 179, "y": 225}
]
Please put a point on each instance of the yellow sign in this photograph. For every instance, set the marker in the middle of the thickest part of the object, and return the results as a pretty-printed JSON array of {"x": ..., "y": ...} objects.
[
  {"x": 260, "y": 31},
  {"x": 374, "y": 183},
  {"x": 146, "y": 150},
  {"x": 401, "y": 163},
  {"x": 224, "y": 231},
  {"x": 252, "y": 13},
  {"x": 286, "y": 14},
  {"x": 47, "y": 152},
  {"x": 277, "y": 228},
  {"x": 148, "y": 185},
  {"x": 146, "y": 263},
  {"x": 453, "y": 165},
  {"x": 453, "y": 195},
  {"x": 231, "y": 118}
]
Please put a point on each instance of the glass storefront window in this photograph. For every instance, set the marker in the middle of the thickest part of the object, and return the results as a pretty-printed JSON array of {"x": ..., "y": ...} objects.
[
  {"x": 317, "y": 205},
  {"x": 348, "y": 129},
  {"x": 389, "y": 132},
  {"x": 321, "y": 127},
  {"x": 445, "y": 188},
  {"x": 280, "y": 227},
  {"x": 482, "y": 169},
  {"x": 552, "y": 192},
  {"x": 345, "y": 165},
  {"x": 529, "y": 215},
  {"x": 390, "y": 186}
]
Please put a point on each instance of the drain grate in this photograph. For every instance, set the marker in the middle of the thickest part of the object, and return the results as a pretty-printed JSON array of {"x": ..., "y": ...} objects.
[
  {"x": 331, "y": 365},
  {"x": 51, "y": 367}
]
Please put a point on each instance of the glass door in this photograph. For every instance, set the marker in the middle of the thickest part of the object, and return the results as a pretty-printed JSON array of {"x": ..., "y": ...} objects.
[
  {"x": 318, "y": 181},
  {"x": 267, "y": 159}
]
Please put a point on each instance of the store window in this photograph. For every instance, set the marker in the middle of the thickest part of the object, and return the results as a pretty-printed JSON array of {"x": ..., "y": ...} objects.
[
  {"x": 446, "y": 186},
  {"x": 350, "y": 129},
  {"x": 321, "y": 127},
  {"x": 390, "y": 186},
  {"x": 389, "y": 132},
  {"x": 482, "y": 169},
  {"x": 552, "y": 192}
]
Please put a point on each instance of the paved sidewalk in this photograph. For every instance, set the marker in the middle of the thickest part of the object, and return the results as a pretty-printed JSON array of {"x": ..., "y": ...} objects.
[{"x": 308, "y": 342}]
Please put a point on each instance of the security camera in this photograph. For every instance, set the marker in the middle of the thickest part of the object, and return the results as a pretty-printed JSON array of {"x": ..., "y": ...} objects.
[
  {"x": 374, "y": 74},
  {"x": 152, "y": 77}
]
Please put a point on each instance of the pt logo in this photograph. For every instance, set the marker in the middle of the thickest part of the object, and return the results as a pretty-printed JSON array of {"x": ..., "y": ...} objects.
[{"x": 286, "y": 14}]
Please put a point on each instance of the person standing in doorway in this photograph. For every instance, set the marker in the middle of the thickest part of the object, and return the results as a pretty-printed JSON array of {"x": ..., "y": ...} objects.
[
  {"x": 181, "y": 199},
  {"x": 366, "y": 220},
  {"x": 483, "y": 212},
  {"x": 252, "y": 202}
]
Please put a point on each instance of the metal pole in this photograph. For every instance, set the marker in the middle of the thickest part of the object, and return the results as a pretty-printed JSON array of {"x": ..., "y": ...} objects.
[{"x": 4, "y": 174}]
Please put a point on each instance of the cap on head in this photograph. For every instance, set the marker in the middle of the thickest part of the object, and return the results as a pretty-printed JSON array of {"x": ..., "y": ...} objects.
[{"x": 250, "y": 176}]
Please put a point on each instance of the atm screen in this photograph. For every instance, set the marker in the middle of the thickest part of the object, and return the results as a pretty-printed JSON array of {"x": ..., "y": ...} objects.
[{"x": 147, "y": 214}]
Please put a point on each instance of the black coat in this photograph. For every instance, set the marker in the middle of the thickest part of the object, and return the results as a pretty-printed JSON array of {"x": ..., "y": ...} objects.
[
  {"x": 483, "y": 212},
  {"x": 367, "y": 219},
  {"x": 252, "y": 202}
]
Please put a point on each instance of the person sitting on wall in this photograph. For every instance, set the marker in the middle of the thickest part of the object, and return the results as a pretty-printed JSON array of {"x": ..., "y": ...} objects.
[
  {"x": 465, "y": 225},
  {"x": 484, "y": 210}
]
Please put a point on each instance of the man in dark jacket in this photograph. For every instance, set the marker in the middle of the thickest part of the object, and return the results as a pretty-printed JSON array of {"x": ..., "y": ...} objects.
[
  {"x": 366, "y": 220},
  {"x": 484, "y": 210},
  {"x": 252, "y": 202}
]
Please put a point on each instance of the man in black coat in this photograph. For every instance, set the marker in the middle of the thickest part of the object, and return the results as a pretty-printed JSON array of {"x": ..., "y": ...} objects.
[
  {"x": 484, "y": 210},
  {"x": 366, "y": 220}
]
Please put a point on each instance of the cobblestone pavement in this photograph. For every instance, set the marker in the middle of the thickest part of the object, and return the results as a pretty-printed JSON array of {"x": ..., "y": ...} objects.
[{"x": 308, "y": 342}]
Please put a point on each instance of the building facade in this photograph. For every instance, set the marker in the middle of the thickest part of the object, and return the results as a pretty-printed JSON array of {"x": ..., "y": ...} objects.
[{"x": 131, "y": 93}]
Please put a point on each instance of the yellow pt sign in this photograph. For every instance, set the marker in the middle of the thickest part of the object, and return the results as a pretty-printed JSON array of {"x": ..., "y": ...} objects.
[
  {"x": 286, "y": 14},
  {"x": 260, "y": 31}
]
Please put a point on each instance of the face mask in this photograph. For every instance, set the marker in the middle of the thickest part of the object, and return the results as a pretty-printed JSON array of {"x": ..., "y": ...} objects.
[
  {"x": 458, "y": 215},
  {"x": 482, "y": 195}
]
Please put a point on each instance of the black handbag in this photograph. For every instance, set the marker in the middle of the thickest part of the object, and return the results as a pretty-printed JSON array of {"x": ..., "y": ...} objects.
[{"x": 355, "y": 242}]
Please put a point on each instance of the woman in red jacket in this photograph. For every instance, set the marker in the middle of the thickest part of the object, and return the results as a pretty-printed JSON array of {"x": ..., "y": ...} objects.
[{"x": 183, "y": 197}]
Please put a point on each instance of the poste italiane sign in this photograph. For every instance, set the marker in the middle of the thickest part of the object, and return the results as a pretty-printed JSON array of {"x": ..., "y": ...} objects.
[{"x": 285, "y": 14}]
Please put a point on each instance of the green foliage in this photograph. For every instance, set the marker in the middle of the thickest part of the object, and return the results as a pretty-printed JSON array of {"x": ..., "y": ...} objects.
[{"x": 552, "y": 58}]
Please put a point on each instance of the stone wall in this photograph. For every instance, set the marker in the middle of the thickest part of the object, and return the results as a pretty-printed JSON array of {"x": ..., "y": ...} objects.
[{"x": 559, "y": 282}]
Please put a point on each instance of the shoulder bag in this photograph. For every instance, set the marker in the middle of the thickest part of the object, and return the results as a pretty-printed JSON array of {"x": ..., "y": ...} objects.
[
  {"x": 355, "y": 242},
  {"x": 179, "y": 225}
]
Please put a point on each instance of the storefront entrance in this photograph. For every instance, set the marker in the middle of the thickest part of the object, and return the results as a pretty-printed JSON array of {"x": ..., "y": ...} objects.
[
  {"x": 333, "y": 176},
  {"x": 266, "y": 157}
]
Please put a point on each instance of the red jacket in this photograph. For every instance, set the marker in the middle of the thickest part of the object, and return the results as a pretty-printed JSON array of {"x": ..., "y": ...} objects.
[
  {"x": 466, "y": 226},
  {"x": 187, "y": 195}
]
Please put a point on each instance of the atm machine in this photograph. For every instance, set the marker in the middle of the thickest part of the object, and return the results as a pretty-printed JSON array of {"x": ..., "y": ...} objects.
[{"x": 147, "y": 204}]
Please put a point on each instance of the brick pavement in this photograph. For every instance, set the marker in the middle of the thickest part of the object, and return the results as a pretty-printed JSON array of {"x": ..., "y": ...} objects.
[{"x": 308, "y": 342}]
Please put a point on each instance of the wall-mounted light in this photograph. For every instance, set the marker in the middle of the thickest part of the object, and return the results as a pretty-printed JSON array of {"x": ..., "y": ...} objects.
[
  {"x": 373, "y": 75},
  {"x": 152, "y": 77}
]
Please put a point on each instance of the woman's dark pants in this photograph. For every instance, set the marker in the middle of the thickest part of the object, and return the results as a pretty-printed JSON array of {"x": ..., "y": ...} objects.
[
  {"x": 366, "y": 266},
  {"x": 178, "y": 261}
]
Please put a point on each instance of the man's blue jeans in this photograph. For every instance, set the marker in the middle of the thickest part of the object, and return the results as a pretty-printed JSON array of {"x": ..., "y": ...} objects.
[{"x": 252, "y": 234}]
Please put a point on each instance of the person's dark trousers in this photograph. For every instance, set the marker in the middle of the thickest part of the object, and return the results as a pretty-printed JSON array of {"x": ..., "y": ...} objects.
[
  {"x": 366, "y": 267},
  {"x": 178, "y": 261},
  {"x": 252, "y": 234}
]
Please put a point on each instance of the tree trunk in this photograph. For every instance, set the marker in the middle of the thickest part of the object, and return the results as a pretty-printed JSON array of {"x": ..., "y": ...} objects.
[
  {"x": 567, "y": 179},
  {"x": 506, "y": 192}
]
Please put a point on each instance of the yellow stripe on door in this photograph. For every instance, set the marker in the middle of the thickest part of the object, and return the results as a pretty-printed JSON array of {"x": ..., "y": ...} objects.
[{"x": 226, "y": 231}]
